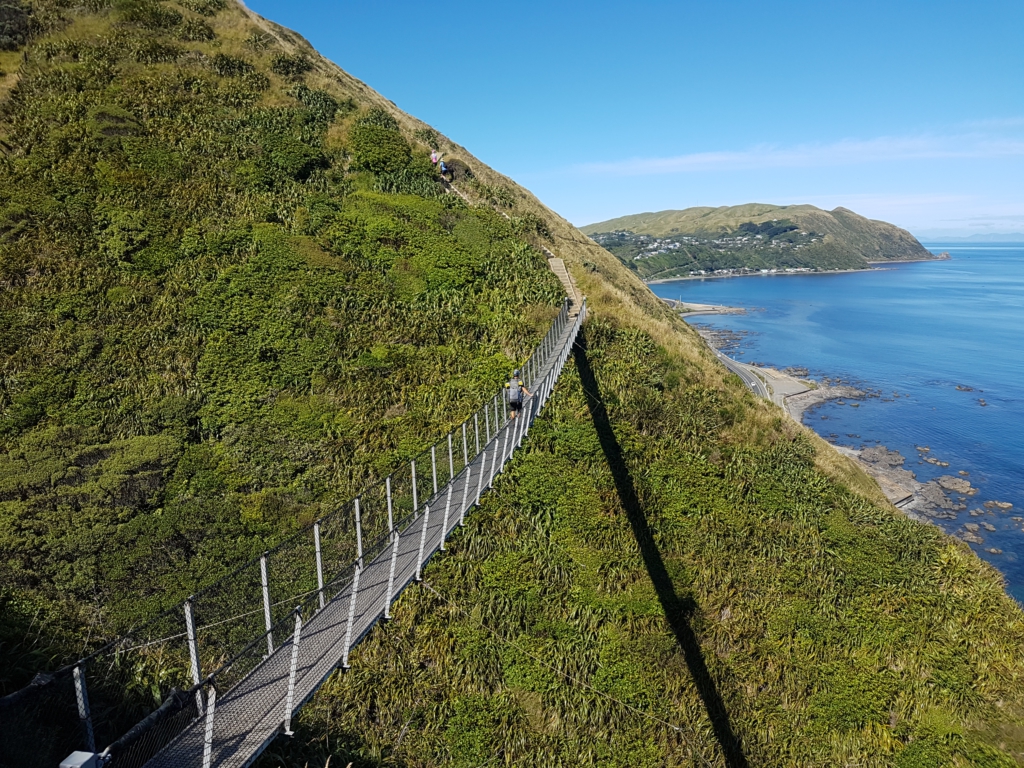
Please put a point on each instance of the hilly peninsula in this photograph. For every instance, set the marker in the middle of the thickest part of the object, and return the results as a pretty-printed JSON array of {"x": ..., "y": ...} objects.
[{"x": 752, "y": 238}]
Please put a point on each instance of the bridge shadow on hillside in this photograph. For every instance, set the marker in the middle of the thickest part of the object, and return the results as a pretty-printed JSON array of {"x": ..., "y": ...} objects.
[{"x": 677, "y": 611}]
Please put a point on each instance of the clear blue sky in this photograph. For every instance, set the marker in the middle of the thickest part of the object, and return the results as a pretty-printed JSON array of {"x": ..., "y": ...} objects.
[{"x": 907, "y": 111}]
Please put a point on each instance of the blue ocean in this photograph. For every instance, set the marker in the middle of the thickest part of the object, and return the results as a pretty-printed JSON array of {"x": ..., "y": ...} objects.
[{"x": 944, "y": 343}]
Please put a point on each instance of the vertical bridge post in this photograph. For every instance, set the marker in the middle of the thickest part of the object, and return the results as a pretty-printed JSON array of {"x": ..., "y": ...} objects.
[
  {"x": 265, "y": 583},
  {"x": 351, "y": 616},
  {"x": 290, "y": 701},
  {"x": 415, "y": 497},
  {"x": 211, "y": 703},
  {"x": 391, "y": 574},
  {"x": 423, "y": 542},
  {"x": 319, "y": 564},
  {"x": 433, "y": 465},
  {"x": 391, "y": 508},
  {"x": 465, "y": 495},
  {"x": 359, "y": 533},
  {"x": 193, "y": 651},
  {"x": 447, "y": 509},
  {"x": 82, "y": 698}
]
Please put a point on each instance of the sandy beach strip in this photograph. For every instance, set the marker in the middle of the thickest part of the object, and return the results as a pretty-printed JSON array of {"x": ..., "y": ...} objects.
[
  {"x": 656, "y": 281},
  {"x": 689, "y": 309}
]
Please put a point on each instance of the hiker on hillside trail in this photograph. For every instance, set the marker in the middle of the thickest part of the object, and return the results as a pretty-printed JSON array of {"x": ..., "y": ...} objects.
[
  {"x": 446, "y": 172},
  {"x": 516, "y": 390},
  {"x": 434, "y": 158}
]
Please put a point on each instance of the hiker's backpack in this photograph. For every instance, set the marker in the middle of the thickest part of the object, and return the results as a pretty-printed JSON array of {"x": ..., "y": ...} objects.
[{"x": 515, "y": 391}]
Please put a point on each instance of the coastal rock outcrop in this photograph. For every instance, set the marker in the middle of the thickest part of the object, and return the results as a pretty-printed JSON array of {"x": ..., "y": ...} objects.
[{"x": 957, "y": 485}]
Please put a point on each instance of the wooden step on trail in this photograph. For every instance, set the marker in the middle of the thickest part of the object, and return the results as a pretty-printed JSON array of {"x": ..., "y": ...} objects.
[{"x": 558, "y": 267}]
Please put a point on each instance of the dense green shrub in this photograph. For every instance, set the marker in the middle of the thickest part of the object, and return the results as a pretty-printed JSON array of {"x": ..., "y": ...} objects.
[
  {"x": 495, "y": 194},
  {"x": 155, "y": 52},
  {"x": 230, "y": 66},
  {"x": 291, "y": 67},
  {"x": 195, "y": 30},
  {"x": 377, "y": 145},
  {"x": 148, "y": 14},
  {"x": 459, "y": 170},
  {"x": 323, "y": 107},
  {"x": 14, "y": 24},
  {"x": 204, "y": 7},
  {"x": 529, "y": 224},
  {"x": 428, "y": 136}
]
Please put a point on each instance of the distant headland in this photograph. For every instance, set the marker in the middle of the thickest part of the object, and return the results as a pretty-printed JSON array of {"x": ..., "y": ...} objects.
[{"x": 753, "y": 239}]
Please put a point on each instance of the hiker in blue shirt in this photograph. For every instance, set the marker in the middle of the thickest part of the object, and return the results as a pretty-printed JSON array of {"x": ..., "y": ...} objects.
[{"x": 516, "y": 390}]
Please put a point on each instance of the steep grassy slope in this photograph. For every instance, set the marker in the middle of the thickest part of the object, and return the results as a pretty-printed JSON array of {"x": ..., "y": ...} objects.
[
  {"x": 754, "y": 236},
  {"x": 233, "y": 291}
]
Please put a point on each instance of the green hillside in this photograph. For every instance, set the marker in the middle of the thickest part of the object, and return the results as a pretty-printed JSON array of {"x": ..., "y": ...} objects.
[
  {"x": 233, "y": 291},
  {"x": 751, "y": 238}
]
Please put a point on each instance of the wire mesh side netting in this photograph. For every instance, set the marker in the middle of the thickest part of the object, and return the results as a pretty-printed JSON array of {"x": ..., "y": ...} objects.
[
  {"x": 402, "y": 494},
  {"x": 227, "y": 615},
  {"x": 39, "y": 725},
  {"x": 144, "y": 740},
  {"x": 292, "y": 573},
  {"x": 373, "y": 504},
  {"x": 338, "y": 543}
]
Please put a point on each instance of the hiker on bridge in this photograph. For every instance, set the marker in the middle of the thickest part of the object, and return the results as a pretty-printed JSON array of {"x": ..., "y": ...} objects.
[{"x": 516, "y": 390}]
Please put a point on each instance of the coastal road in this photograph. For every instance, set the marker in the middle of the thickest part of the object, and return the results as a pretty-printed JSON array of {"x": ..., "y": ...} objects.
[
  {"x": 753, "y": 382},
  {"x": 748, "y": 377}
]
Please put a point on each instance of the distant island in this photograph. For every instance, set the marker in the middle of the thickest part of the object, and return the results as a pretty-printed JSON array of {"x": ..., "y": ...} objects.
[{"x": 752, "y": 239}]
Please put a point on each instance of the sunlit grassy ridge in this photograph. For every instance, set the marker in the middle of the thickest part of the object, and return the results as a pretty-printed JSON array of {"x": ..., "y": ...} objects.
[{"x": 234, "y": 291}]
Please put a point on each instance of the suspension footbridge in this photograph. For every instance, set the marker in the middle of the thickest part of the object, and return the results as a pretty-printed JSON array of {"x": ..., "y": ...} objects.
[{"x": 259, "y": 642}]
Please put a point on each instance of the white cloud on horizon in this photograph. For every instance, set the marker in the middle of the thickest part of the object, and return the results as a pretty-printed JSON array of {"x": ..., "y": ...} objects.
[{"x": 844, "y": 152}]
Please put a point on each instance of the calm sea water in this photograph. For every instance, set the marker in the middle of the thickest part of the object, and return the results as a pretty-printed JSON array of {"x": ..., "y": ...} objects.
[{"x": 917, "y": 331}]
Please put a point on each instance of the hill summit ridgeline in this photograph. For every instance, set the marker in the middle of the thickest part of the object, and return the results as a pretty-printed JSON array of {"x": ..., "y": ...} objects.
[
  {"x": 234, "y": 291},
  {"x": 750, "y": 238}
]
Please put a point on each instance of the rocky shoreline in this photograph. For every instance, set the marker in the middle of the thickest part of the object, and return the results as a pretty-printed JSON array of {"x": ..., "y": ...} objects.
[
  {"x": 941, "y": 499},
  {"x": 936, "y": 501}
]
